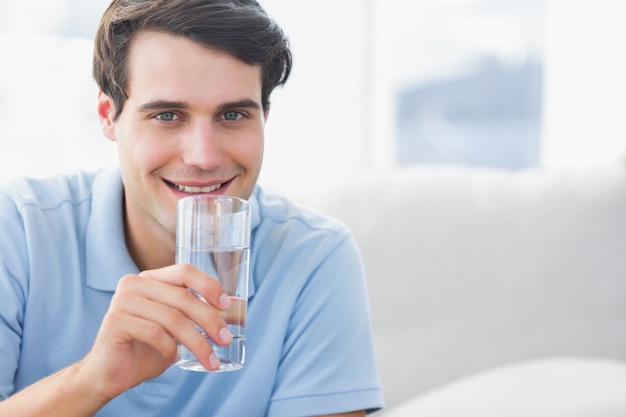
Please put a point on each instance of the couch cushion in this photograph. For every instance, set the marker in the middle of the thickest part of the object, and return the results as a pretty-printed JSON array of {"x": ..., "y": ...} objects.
[{"x": 550, "y": 387}]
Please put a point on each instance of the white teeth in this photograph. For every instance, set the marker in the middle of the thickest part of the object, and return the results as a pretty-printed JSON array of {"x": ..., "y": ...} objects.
[{"x": 188, "y": 189}]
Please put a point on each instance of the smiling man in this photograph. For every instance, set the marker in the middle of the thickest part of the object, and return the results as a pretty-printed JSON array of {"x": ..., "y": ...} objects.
[{"x": 93, "y": 306}]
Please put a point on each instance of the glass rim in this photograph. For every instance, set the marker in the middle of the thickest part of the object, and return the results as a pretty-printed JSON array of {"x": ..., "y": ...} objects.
[{"x": 242, "y": 200}]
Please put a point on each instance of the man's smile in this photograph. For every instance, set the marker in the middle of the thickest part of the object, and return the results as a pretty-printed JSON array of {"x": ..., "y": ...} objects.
[{"x": 194, "y": 189}]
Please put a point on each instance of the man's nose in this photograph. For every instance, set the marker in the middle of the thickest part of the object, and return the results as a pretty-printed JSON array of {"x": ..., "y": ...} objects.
[{"x": 201, "y": 146}]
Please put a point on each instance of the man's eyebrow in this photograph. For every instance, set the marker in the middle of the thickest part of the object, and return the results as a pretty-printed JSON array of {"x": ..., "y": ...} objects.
[
  {"x": 246, "y": 103},
  {"x": 162, "y": 105}
]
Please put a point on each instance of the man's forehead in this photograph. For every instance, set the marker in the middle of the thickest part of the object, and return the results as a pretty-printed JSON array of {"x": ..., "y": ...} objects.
[{"x": 170, "y": 68}]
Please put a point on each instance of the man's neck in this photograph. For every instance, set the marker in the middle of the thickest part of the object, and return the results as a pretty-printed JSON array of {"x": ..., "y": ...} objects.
[{"x": 151, "y": 248}]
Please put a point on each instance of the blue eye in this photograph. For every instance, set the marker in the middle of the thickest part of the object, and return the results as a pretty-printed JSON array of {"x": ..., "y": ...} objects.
[
  {"x": 166, "y": 116},
  {"x": 232, "y": 116}
]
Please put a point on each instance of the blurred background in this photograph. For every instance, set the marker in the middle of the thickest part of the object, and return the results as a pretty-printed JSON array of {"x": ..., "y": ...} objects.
[{"x": 377, "y": 85}]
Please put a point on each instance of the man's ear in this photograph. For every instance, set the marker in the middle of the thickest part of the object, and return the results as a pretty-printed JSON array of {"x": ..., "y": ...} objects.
[{"x": 106, "y": 111}]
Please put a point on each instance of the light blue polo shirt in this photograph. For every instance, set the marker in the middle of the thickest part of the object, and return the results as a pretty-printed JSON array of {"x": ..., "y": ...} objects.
[{"x": 309, "y": 345}]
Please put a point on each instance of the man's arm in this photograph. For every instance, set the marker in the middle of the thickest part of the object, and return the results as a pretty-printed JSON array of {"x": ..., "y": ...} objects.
[{"x": 64, "y": 394}]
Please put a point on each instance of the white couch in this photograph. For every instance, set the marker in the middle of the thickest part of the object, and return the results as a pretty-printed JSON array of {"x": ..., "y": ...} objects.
[{"x": 493, "y": 293}]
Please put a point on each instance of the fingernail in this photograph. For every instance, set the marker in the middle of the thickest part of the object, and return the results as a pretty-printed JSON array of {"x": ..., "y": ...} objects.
[
  {"x": 224, "y": 300},
  {"x": 225, "y": 335},
  {"x": 215, "y": 363}
]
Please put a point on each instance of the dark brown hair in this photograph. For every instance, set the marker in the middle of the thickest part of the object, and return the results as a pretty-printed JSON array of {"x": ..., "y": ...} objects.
[{"x": 239, "y": 27}]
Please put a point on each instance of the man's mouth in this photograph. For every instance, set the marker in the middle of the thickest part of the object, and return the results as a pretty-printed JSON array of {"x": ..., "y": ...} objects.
[{"x": 194, "y": 190}]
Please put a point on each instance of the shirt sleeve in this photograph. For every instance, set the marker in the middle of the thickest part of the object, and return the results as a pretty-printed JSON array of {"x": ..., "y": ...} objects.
[
  {"x": 13, "y": 293},
  {"x": 328, "y": 363}
]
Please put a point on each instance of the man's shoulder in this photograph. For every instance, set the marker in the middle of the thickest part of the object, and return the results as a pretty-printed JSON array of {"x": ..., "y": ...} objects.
[
  {"x": 48, "y": 193},
  {"x": 280, "y": 210}
]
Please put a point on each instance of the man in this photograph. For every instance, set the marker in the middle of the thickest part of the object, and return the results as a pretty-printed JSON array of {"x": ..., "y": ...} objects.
[{"x": 92, "y": 306}]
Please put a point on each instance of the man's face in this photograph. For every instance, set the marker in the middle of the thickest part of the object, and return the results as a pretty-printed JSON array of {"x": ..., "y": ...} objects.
[{"x": 193, "y": 123}]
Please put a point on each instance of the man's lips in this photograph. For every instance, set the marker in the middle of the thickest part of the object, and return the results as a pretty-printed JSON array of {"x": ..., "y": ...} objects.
[{"x": 194, "y": 189}]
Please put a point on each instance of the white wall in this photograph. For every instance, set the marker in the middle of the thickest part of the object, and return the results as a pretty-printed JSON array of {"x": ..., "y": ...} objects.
[
  {"x": 48, "y": 120},
  {"x": 585, "y": 84},
  {"x": 318, "y": 122}
]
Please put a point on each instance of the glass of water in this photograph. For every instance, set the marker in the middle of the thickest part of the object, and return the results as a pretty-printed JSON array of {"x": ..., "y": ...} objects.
[{"x": 213, "y": 233}]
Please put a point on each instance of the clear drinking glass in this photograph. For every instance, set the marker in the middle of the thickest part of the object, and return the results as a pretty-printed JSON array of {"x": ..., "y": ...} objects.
[{"x": 213, "y": 233}]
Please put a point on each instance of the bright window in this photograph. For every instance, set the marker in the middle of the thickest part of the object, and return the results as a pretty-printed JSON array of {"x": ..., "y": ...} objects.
[{"x": 469, "y": 82}]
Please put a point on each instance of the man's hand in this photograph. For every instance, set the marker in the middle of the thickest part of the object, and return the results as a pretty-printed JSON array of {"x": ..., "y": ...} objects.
[{"x": 149, "y": 314}]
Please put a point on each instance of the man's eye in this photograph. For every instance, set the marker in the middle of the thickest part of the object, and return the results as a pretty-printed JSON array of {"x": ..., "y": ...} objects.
[
  {"x": 166, "y": 117},
  {"x": 232, "y": 116}
]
